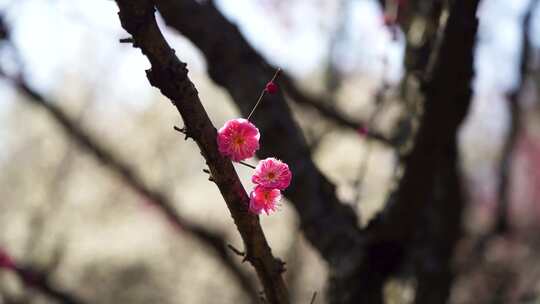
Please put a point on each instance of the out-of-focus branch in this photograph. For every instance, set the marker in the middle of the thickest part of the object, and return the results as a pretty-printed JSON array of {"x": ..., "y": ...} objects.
[
  {"x": 37, "y": 280},
  {"x": 420, "y": 20},
  {"x": 380, "y": 103},
  {"x": 328, "y": 111},
  {"x": 169, "y": 75},
  {"x": 501, "y": 222},
  {"x": 430, "y": 185},
  {"x": 209, "y": 238}
]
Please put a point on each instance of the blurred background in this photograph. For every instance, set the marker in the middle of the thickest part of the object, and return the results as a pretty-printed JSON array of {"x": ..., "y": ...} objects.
[{"x": 93, "y": 232}]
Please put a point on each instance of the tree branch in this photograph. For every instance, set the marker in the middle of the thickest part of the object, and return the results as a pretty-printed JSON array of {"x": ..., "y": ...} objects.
[
  {"x": 329, "y": 112},
  {"x": 169, "y": 74}
]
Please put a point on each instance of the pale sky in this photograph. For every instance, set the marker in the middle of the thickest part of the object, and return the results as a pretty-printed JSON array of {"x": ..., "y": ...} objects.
[{"x": 59, "y": 37}]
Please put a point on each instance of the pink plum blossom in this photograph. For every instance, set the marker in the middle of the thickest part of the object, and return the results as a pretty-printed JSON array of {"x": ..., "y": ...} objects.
[
  {"x": 238, "y": 139},
  {"x": 264, "y": 199},
  {"x": 272, "y": 173}
]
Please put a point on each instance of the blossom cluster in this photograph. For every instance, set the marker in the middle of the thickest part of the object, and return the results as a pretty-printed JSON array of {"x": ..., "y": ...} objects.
[
  {"x": 271, "y": 177},
  {"x": 238, "y": 139}
]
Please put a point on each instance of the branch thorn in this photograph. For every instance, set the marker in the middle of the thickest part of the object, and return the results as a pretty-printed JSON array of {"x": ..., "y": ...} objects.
[
  {"x": 127, "y": 40},
  {"x": 183, "y": 131},
  {"x": 236, "y": 251}
]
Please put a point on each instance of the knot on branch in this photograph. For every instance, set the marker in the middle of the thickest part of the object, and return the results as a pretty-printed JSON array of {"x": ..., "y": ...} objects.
[
  {"x": 171, "y": 78},
  {"x": 135, "y": 14},
  {"x": 280, "y": 266}
]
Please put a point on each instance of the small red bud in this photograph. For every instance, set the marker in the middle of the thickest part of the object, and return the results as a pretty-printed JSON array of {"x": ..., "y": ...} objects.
[{"x": 271, "y": 87}]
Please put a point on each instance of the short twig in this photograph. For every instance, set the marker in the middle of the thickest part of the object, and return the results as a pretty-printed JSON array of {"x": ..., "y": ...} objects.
[
  {"x": 247, "y": 165},
  {"x": 127, "y": 40},
  {"x": 181, "y": 130},
  {"x": 236, "y": 251}
]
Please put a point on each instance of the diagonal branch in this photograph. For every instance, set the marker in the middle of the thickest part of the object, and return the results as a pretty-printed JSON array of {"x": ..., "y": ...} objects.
[
  {"x": 330, "y": 226},
  {"x": 211, "y": 239},
  {"x": 328, "y": 111},
  {"x": 169, "y": 74}
]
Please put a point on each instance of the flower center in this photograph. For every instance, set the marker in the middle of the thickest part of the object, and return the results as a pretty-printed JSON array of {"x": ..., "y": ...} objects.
[
  {"x": 271, "y": 175},
  {"x": 238, "y": 140}
]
